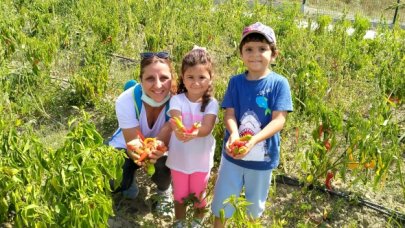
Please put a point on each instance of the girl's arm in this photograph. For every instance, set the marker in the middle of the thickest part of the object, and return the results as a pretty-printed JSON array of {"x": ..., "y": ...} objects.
[{"x": 207, "y": 125}]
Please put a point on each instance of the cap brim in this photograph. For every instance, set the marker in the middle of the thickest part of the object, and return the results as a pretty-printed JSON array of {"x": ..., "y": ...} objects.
[{"x": 255, "y": 31}]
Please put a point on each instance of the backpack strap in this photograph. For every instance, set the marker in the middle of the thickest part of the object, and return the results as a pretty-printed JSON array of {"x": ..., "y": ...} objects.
[
  {"x": 138, "y": 102},
  {"x": 137, "y": 98},
  {"x": 166, "y": 110}
]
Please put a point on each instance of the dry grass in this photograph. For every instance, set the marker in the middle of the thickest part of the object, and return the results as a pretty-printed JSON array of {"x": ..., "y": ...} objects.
[{"x": 374, "y": 10}]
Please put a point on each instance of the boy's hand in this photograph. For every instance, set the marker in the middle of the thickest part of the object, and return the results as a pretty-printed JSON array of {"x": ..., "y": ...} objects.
[
  {"x": 240, "y": 147},
  {"x": 230, "y": 141},
  {"x": 244, "y": 151}
]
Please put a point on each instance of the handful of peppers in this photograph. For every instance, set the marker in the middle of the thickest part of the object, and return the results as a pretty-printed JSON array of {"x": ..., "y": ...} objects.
[
  {"x": 148, "y": 145},
  {"x": 239, "y": 145},
  {"x": 179, "y": 124}
]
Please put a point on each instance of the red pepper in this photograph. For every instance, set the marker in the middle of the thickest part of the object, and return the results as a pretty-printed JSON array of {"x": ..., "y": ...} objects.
[
  {"x": 161, "y": 148},
  {"x": 143, "y": 156},
  {"x": 329, "y": 176},
  {"x": 140, "y": 135},
  {"x": 320, "y": 131},
  {"x": 193, "y": 128},
  {"x": 327, "y": 145},
  {"x": 239, "y": 143}
]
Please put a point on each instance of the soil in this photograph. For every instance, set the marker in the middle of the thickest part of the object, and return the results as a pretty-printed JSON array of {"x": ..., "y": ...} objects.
[{"x": 288, "y": 206}]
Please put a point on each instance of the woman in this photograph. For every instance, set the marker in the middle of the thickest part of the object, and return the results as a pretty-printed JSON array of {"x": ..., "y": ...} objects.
[{"x": 156, "y": 78}]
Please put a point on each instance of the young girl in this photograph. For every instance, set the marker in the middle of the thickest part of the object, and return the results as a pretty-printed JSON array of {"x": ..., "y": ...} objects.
[{"x": 190, "y": 156}]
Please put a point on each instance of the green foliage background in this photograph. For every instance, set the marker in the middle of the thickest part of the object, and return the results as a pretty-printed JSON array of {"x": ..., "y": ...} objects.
[{"x": 57, "y": 64}]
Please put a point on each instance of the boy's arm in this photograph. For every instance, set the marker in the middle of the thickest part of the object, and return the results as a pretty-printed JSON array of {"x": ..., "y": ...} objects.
[
  {"x": 275, "y": 125},
  {"x": 231, "y": 125}
]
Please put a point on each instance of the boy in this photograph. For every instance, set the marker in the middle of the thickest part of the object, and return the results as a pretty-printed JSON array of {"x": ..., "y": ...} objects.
[{"x": 256, "y": 102}]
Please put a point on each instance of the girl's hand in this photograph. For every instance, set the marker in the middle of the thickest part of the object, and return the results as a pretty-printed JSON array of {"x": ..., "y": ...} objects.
[
  {"x": 178, "y": 132},
  {"x": 190, "y": 136}
]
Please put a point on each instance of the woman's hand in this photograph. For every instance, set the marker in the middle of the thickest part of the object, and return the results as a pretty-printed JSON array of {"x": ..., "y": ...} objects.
[
  {"x": 132, "y": 154},
  {"x": 159, "y": 152}
]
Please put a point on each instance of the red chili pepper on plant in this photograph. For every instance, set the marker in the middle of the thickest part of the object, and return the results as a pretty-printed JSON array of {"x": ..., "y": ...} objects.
[
  {"x": 320, "y": 131},
  {"x": 327, "y": 145},
  {"x": 329, "y": 176}
]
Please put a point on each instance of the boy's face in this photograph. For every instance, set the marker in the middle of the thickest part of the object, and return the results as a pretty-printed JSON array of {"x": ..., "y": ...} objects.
[{"x": 257, "y": 57}]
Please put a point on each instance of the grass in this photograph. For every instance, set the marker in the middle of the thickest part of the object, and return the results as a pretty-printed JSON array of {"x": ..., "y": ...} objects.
[{"x": 328, "y": 70}]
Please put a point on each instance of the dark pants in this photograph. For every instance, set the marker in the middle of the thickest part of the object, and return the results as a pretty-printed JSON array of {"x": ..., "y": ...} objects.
[{"x": 161, "y": 177}]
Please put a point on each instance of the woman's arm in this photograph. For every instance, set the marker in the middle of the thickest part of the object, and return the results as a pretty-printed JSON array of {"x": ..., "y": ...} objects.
[{"x": 129, "y": 135}]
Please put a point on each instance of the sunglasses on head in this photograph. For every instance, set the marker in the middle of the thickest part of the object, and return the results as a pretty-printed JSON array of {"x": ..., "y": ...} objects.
[{"x": 162, "y": 55}]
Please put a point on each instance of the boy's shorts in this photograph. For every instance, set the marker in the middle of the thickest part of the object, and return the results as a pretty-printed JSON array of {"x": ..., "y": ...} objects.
[{"x": 231, "y": 179}]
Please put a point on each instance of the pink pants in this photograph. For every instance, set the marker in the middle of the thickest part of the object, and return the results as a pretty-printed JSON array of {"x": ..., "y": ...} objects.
[{"x": 186, "y": 184}]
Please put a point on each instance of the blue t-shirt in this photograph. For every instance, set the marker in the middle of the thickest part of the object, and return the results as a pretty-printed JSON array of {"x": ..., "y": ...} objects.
[{"x": 254, "y": 102}]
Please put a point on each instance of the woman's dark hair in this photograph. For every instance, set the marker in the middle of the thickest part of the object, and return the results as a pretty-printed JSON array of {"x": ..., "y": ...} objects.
[
  {"x": 155, "y": 59},
  {"x": 257, "y": 37},
  {"x": 193, "y": 58}
]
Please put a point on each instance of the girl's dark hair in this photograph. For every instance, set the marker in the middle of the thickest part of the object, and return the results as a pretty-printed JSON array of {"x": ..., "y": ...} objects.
[
  {"x": 257, "y": 37},
  {"x": 193, "y": 58},
  {"x": 155, "y": 59}
]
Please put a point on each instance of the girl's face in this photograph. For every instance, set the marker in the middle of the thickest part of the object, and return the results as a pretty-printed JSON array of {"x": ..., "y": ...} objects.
[
  {"x": 196, "y": 79},
  {"x": 257, "y": 57},
  {"x": 157, "y": 80}
]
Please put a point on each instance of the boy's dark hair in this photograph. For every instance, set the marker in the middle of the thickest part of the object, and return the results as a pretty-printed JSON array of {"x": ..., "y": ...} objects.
[
  {"x": 193, "y": 58},
  {"x": 257, "y": 37}
]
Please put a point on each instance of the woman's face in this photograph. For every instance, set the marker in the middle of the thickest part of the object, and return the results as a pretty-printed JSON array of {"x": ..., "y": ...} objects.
[{"x": 157, "y": 80}]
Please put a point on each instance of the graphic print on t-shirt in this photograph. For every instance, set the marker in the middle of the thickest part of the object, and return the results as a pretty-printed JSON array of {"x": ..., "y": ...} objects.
[
  {"x": 250, "y": 124},
  {"x": 261, "y": 101}
]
